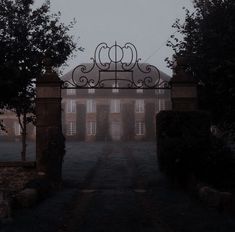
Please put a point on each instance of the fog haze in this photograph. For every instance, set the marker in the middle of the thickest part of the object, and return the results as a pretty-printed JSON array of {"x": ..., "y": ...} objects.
[{"x": 145, "y": 23}]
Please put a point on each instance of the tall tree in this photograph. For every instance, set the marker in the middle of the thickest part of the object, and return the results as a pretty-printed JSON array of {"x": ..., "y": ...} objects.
[
  {"x": 27, "y": 37},
  {"x": 206, "y": 39}
]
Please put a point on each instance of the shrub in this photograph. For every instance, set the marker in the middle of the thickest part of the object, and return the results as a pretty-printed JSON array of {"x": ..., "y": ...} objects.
[
  {"x": 183, "y": 140},
  {"x": 186, "y": 148},
  {"x": 219, "y": 166}
]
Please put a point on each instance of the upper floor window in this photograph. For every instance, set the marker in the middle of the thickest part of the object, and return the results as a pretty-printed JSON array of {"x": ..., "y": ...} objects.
[
  {"x": 139, "y": 106},
  {"x": 115, "y": 106},
  {"x": 71, "y": 106},
  {"x": 115, "y": 88},
  {"x": 71, "y": 128},
  {"x": 139, "y": 90},
  {"x": 91, "y": 90},
  {"x": 70, "y": 91},
  {"x": 91, "y": 127},
  {"x": 90, "y": 106},
  {"x": 159, "y": 91}
]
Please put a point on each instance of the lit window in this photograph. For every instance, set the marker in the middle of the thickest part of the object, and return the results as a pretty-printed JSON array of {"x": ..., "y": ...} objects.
[
  {"x": 71, "y": 128},
  {"x": 139, "y": 128},
  {"x": 91, "y": 128},
  {"x": 91, "y": 90},
  {"x": 139, "y": 106},
  {"x": 71, "y": 106},
  {"x": 17, "y": 129},
  {"x": 70, "y": 91},
  {"x": 115, "y": 106},
  {"x": 90, "y": 106},
  {"x": 115, "y": 88}
]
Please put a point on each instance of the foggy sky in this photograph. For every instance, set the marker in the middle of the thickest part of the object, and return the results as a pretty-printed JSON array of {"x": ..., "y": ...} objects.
[{"x": 145, "y": 23}]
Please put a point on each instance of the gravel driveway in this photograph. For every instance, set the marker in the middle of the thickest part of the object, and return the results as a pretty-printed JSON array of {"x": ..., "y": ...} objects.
[{"x": 117, "y": 187}]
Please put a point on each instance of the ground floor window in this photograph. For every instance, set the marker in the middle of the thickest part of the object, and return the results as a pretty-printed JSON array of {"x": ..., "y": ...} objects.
[
  {"x": 71, "y": 128},
  {"x": 91, "y": 127},
  {"x": 139, "y": 128},
  {"x": 162, "y": 104},
  {"x": 71, "y": 106}
]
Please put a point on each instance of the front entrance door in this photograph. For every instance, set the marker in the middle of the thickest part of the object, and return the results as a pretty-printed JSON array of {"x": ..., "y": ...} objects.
[{"x": 116, "y": 131}]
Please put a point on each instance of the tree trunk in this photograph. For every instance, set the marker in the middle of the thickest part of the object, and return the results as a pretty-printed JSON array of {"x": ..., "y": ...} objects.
[{"x": 23, "y": 138}]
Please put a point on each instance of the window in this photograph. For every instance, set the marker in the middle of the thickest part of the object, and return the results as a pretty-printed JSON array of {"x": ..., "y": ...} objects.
[
  {"x": 17, "y": 129},
  {"x": 70, "y": 91},
  {"x": 71, "y": 128},
  {"x": 139, "y": 106},
  {"x": 91, "y": 127},
  {"x": 91, "y": 90},
  {"x": 139, "y": 128},
  {"x": 90, "y": 106},
  {"x": 139, "y": 90},
  {"x": 161, "y": 104},
  {"x": 115, "y": 88},
  {"x": 159, "y": 91},
  {"x": 71, "y": 106},
  {"x": 115, "y": 106}
]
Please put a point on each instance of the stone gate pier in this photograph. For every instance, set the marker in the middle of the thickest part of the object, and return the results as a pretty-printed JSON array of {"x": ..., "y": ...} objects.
[{"x": 49, "y": 138}]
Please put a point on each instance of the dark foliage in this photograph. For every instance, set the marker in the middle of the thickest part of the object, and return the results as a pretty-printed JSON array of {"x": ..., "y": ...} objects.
[
  {"x": 27, "y": 38},
  {"x": 183, "y": 142},
  {"x": 186, "y": 148},
  {"x": 219, "y": 166},
  {"x": 208, "y": 45}
]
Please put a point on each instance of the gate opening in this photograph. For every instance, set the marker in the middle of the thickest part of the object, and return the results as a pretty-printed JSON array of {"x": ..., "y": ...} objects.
[{"x": 113, "y": 98}]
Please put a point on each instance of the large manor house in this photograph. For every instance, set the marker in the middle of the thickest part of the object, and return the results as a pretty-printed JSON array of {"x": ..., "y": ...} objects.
[{"x": 102, "y": 114}]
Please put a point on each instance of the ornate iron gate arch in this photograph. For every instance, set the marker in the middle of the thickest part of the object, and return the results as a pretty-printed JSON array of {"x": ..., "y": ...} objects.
[{"x": 116, "y": 60}]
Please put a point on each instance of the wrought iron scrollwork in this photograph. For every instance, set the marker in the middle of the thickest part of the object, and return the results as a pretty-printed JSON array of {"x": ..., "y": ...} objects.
[{"x": 116, "y": 67}]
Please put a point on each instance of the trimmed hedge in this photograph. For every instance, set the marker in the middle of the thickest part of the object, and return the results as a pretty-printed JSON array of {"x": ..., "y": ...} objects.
[
  {"x": 186, "y": 149},
  {"x": 183, "y": 143}
]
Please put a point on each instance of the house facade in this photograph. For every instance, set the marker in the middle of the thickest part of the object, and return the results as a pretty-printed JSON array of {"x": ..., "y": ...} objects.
[
  {"x": 102, "y": 114},
  {"x": 91, "y": 114},
  {"x": 94, "y": 114}
]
